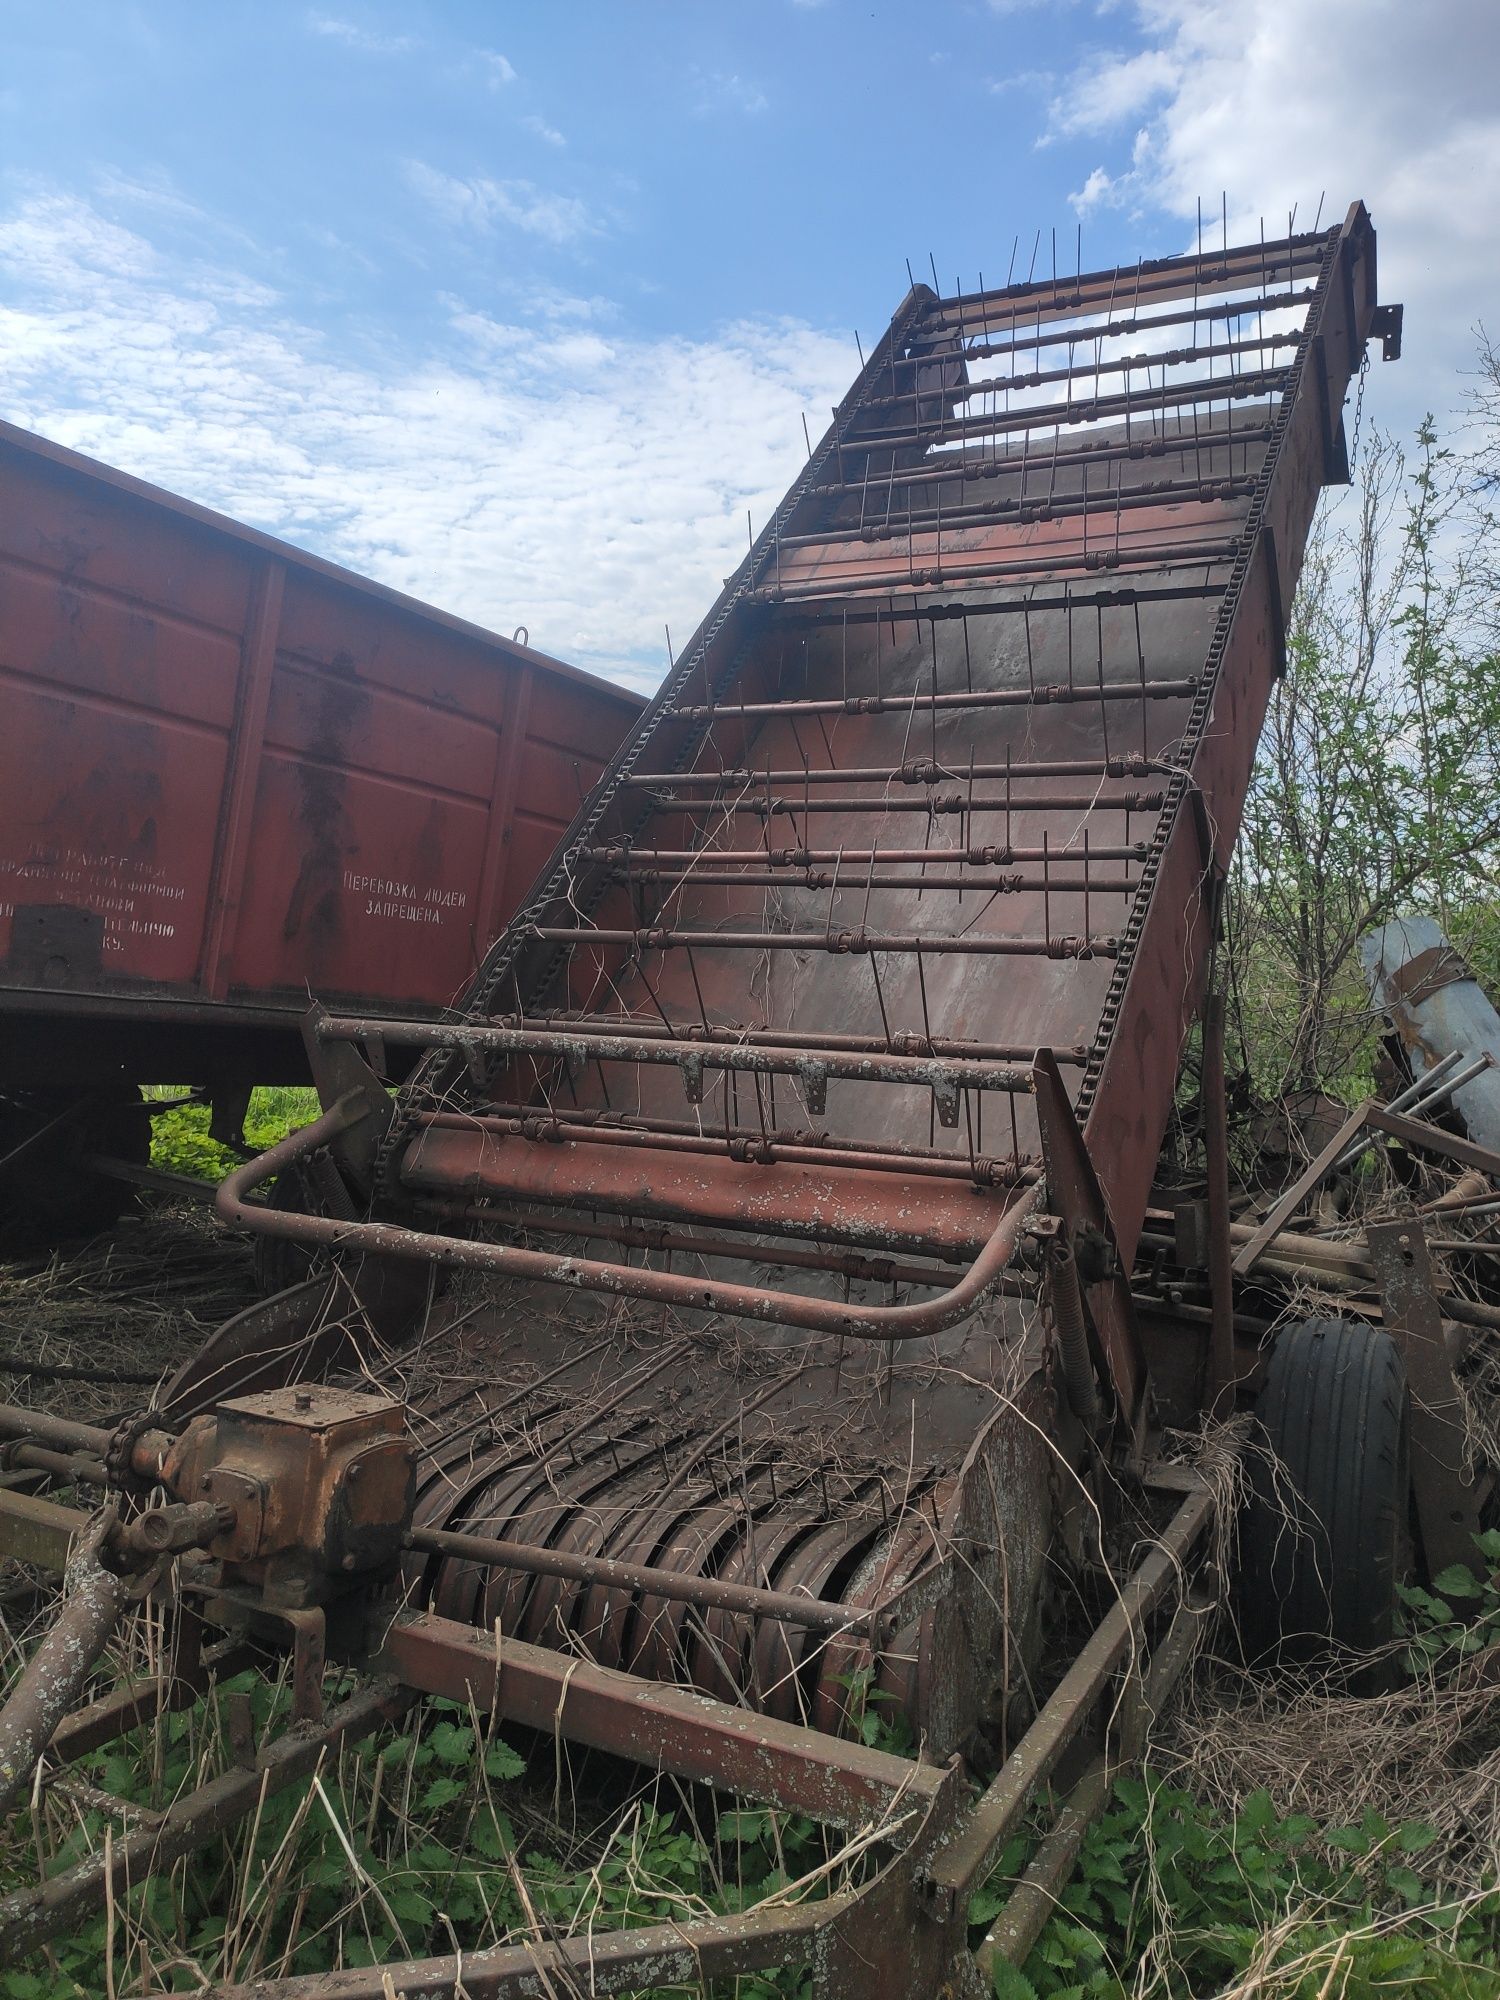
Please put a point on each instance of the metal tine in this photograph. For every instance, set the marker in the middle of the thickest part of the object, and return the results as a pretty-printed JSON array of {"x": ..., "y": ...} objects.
[
  {"x": 833, "y": 890},
  {"x": 1140, "y": 653},
  {"x": 880, "y": 999},
  {"x": 864, "y": 921},
  {"x": 698, "y": 990},
  {"x": 1103, "y": 701}
]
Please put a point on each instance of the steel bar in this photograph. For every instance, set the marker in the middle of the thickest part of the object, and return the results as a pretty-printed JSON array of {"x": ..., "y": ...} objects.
[
  {"x": 925, "y": 704},
  {"x": 625, "y": 859},
  {"x": 33, "y": 1530},
  {"x": 29, "y": 1918},
  {"x": 1426, "y": 1094},
  {"x": 1199, "y": 445},
  {"x": 581, "y": 1045},
  {"x": 1288, "y": 1203},
  {"x": 1397, "y": 1125},
  {"x": 1243, "y": 267},
  {"x": 672, "y": 1729},
  {"x": 42, "y": 1427},
  {"x": 916, "y": 609},
  {"x": 1023, "y": 510},
  {"x": 1037, "y": 1897},
  {"x": 188, "y": 1673},
  {"x": 935, "y": 569},
  {"x": 1121, "y": 329},
  {"x": 71, "y": 1467},
  {"x": 1266, "y": 382},
  {"x": 901, "y": 1041},
  {"x": 831, "y": 878},
  {"x": 160, "y": 1180},
  {"x": 1118, "y": 364},
  {"x": 65, "y": 1371},
  {"x": 880, "y": 1323},
  {"x": 751, "y": 1144},
  {"x": 876, "y": 1622},
  {"x": 673, "y": 1242},
  {"x": 967, "y": 1860},
  {"x": 938, "y": 803},
  {"x": 914, "y": 771},
  {"x": 652, "y": 1958},
  {"x": 658, "y": 937}
]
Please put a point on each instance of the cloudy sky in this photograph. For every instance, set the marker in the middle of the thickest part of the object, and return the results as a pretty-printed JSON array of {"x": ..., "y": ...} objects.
[{"x": 520, "y": 307}]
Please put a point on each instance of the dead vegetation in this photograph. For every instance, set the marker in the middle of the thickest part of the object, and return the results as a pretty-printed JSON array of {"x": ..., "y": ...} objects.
[{"x": 94, "y": 1328}]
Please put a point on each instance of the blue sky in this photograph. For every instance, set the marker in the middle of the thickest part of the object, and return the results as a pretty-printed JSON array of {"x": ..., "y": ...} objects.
[{"x": 519, "y": 307}]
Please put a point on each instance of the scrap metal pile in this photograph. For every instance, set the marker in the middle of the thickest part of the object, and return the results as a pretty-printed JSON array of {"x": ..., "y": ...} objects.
[{"x": 800, "y": 1131}]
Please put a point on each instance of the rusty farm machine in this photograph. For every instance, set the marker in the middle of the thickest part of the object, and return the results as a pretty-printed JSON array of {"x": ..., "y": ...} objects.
[{"x": 738, "y": 1305}]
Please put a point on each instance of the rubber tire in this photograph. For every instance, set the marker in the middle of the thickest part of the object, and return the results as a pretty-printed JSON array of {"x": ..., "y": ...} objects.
[
  {"x": 1335, "y": 1411},
  {"x": 52, "y": 1198}
]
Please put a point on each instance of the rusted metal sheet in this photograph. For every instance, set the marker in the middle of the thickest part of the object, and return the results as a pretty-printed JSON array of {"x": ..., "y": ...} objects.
[
  {"x": 237, "y": 774},
  {"x": 1437, "y": 1008}
]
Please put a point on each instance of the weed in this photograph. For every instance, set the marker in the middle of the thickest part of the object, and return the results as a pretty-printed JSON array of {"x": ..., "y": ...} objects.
[{"x": 180, "y": 1140}]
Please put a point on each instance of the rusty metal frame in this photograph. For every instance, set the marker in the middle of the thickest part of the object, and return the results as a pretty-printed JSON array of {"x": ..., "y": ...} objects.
[
  {"x": 905, "y": 1928},
  {"x": 384, "y": 1239},
  {"x": 694, "y": 755},
  {"x": 1448, "y": 1501},
  {"x": 1369, "y": 1116}
]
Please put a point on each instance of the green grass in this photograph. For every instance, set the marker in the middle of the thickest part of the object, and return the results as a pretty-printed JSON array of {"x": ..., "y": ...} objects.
[
  {"x": 442, "y": 1832},
  {"x": 180, "y": 1142},
  {"x": 427, "y": 1836}
]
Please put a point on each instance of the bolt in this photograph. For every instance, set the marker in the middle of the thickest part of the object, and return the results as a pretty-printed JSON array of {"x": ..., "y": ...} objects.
[{"x": 302, "y": 1400}]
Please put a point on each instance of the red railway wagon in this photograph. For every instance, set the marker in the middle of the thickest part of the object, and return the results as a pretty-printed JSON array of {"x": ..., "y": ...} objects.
[{"x": 236, "y": 777}]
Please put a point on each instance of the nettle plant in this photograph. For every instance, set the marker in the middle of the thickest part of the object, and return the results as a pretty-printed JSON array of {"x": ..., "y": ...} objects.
[{"x": 1459, "y": 1616}]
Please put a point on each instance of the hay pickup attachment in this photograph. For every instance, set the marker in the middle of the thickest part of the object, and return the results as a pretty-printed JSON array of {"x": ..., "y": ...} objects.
[{"x": 790, "y": 1153}]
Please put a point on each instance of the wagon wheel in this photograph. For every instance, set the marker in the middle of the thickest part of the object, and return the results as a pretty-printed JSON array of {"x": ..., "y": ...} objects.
[
  {"x": 49, "y": 1194},
  {"x": 1325, "y": 1539},
  {"x": 276, "y": 1262}
]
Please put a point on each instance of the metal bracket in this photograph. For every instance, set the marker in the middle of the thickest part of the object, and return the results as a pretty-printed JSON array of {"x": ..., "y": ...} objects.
[
  {"x": 1447, "y": 1501},
  {"x": 1073, "y": 1190},
  {"x": 341, "y": 1074},
  {"x": 1385, "y": 322}
]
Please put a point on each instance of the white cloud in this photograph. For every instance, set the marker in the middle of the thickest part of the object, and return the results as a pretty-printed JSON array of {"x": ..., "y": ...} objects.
[
  {"x": 1113, "y": 89},
  {"x": 1098, "y": 191},
  {"x": 368, "y": 41},
  {"x": 588, "y": 484},
  {"x": 498, "y": 70},
  {"x": 481, "y": 203},
  {"x": 1277, "y": 101},
  {"x": 720, "y": 91},
  {"x": 543, "y": 130}
]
